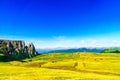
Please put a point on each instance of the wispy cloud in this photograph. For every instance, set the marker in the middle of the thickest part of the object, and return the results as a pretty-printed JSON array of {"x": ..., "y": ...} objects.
[{"x": 66, "y": 42}]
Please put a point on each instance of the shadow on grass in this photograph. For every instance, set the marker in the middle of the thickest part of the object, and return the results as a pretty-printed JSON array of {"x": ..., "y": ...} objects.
[{"x": 8, "y": 58}]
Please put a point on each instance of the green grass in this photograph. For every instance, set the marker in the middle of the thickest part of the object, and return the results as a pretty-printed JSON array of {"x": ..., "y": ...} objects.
[
  {"x": 113, "y": 50},
  {"x": 1, "y": 54},
  {"x": 24, "y": 73},
  {"x": 109, "y": 63},
  {"x": 64, "y": 66},
  {"x": 56, "y": 56}
]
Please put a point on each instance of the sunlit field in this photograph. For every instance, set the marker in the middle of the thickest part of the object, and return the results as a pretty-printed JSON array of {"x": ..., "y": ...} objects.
[{"x": 64, "y": 66}]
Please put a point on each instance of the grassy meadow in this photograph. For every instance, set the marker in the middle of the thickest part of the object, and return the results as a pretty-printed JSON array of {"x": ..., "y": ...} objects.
[{"x": 64, "y": 66}]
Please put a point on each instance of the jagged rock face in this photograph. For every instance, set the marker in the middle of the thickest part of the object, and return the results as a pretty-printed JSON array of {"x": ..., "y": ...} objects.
[
  {"x": 31, "y": 49},
  {"x": 19, "y": 48}
]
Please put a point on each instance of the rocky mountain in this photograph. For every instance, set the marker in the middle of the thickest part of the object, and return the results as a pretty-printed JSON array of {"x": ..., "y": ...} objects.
[{"x": 17, "y": 48}]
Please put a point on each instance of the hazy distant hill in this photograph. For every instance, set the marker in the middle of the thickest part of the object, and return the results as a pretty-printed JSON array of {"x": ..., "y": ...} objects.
[{"x": 71, "y": 50}]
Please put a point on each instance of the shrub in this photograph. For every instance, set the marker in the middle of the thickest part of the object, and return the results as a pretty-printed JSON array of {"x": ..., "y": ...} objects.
[{"x": 3, "y": 48}]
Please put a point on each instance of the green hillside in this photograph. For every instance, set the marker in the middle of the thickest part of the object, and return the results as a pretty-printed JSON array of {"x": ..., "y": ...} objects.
[
  {"x": 113, "y": 50},
  {"x": 63, "y": 66}
]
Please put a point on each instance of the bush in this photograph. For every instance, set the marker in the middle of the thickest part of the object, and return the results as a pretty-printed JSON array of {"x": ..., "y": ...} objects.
[{"x": 3, "y": 48}]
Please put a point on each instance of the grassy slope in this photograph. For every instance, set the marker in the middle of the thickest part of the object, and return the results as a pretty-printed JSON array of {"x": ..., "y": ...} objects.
[
  {"x": 24, "y": 73},
  {"x": 114, "y": 50},
  {"x": 77, "y": 66},
  {"x": 109, "y": 63}
]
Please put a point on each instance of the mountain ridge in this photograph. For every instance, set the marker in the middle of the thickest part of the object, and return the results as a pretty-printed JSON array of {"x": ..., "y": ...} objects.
[
  {"x": 71, "y": 50},
  {"x": 17, "y": 49}
]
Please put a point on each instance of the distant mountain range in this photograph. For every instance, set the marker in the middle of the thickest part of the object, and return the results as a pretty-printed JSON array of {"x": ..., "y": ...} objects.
[{"x": 71, "y": 50}]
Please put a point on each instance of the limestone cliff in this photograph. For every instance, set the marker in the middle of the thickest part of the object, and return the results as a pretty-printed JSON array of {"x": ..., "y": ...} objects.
[{"x": 18, "y": 48}]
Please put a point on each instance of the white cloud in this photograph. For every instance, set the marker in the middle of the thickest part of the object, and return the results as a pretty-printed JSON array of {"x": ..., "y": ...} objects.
[
  {"x": 82, "y": 41},
  {"x": 66, "y": 42}
]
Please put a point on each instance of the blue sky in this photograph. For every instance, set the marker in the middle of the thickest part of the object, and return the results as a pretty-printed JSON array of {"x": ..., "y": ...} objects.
[{"x": 61, "y": 23}]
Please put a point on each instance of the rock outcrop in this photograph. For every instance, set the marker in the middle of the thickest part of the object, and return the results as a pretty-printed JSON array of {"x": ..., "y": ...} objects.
[{"x": 18, "y": 48}]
